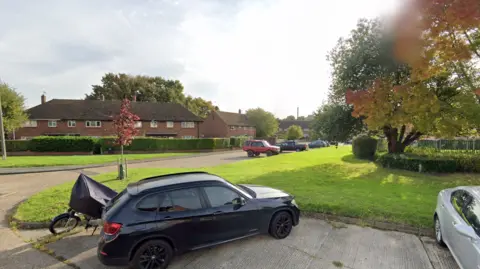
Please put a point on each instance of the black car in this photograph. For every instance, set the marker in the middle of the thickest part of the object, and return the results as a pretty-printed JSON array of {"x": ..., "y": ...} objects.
[
  {"x": 152, "y": 220},
  {"x": 318, "y": 144}
]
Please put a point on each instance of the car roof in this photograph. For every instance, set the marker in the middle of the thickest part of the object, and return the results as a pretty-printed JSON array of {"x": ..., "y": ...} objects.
[{"x": 160, "y": 181}]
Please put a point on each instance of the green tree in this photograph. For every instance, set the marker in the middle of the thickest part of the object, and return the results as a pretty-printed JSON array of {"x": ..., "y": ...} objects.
[
  {"x": 264, "y": 121},
  {"x": 294, "y": 132},
  {"x": 334, "y": 122},
  {"x": 199, "y": 106},
  {"x": 13, "y": 108},
  {"x": 290, "y": 117}
]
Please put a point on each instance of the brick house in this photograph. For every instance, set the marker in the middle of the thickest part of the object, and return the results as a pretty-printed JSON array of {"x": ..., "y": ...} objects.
[
  {"x": 227, "y": 124},
  {"x": 304, "y": 124},
  {"x": 59, "y": 117}
]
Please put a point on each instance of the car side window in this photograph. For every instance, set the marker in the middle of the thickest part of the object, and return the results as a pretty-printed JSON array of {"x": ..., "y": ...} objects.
[
  {"x": 185, "y": 199},
  {"x": 459, "y": 199},
  {"x": 471, "y": 212},
  {"x": 257, "y": 144},
  {"x": 220, "y": 196},
  {"x": 154, "y": 202}
]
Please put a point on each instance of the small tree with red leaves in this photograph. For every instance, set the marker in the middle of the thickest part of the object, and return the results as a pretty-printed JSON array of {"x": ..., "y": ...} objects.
[{"x": 125, "y": 126}]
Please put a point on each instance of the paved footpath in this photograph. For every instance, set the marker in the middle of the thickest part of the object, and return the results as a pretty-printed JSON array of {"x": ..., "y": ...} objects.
[
  {"x": 313, "y": 244},
  {"x": 16, "y": 254}
]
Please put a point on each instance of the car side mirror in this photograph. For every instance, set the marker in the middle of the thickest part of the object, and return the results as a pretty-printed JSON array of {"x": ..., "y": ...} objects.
[
  {"x": 239, "y": 201},
  {"x": 466, "y": 231}
]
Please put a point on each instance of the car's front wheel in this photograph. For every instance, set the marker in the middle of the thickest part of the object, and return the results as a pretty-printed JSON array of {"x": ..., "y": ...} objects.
[
  {"x": 281, "y": 225},
  {"x": 438, "y": 232},
  {"x": 153, "y": 254}
]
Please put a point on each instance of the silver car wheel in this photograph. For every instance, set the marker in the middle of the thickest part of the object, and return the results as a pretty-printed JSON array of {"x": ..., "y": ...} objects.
[{"x": 438, "y": 230}]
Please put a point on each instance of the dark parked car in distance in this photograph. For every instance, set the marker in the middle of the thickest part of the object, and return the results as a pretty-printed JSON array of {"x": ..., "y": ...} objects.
[
  {"x": 257, "y": 147},
  {"x": 318, "y": 144},
  {"x": 291, "y": 145},
  {"x": 156, "y": 218}
]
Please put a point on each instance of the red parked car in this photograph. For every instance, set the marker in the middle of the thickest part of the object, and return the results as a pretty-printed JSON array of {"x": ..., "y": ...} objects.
[{"x": 257, "y": 147}]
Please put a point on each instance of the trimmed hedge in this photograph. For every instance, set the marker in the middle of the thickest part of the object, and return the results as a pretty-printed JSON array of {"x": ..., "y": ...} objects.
[
  {"x": 16, "y": 145},
  {"x": 62, "y": 144},
  {"x": 163, "y": 144},
  {"x": 237, "y": 141},
  {"x": 364, "y": 147},
  {"x": 434, "y": 164},
  {"x": 99, "y": 145}
]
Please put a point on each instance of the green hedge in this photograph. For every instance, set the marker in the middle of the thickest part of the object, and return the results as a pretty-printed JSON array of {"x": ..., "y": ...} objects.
[
  {"x": 435, "y": 164},
  {"x": 364, "y": 147},
  {"x": 237, "y": 141},
  {"x": 163, "y": 144},
  {"x": 16, "y": 145},
  {"x": 62, "y": 144}
]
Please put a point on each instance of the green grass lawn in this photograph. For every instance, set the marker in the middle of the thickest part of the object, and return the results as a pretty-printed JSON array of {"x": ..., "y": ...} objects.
[
  {"x": 37, "y": 161},
  {"x": 325, "y": 180}
]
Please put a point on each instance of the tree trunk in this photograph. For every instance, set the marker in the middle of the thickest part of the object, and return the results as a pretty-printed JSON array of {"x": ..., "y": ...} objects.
[{"x": 397, "y": 142}]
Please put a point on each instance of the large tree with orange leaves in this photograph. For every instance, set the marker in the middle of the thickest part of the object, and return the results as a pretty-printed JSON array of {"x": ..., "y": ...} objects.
[{"x": 437, "y": 94}]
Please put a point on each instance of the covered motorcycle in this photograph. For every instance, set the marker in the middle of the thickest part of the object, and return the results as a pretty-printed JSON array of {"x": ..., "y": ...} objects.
[{"x": 89, "y": 196}]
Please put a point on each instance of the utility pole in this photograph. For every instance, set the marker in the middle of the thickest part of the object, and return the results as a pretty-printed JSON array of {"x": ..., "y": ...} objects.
[{"x": 2, "y": 133}]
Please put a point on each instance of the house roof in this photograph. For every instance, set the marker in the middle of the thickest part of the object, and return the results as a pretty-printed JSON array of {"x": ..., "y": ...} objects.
[
  {"x": 304, "y": 124},
  {"x": 236, "y": 119},
  {"x": 65, "y": 109}
]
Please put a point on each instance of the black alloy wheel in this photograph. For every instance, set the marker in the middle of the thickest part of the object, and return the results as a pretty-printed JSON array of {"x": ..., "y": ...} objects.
[
  {"x": 154, "y": 254},
  {"x": 281, "y": 225},
  {"x": 250, "y": 153}
]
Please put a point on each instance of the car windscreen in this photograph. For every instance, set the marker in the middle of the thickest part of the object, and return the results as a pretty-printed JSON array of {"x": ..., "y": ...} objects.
[{"x": 265, "y": 143}]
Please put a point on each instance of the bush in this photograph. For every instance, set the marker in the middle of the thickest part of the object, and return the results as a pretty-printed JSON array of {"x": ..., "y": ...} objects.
[
  {"x": 163, "y": 144},
  {"x": 237, "y": 141},
  {"x": 364, "y": 147},
  {"x": 62, "y": 144},
  {"x": 16, "y": 145},
  {"x": 435, "y": 163}
]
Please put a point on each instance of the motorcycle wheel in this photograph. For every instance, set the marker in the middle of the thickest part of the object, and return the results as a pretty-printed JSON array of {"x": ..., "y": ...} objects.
[{"x": 63, "y": 223}]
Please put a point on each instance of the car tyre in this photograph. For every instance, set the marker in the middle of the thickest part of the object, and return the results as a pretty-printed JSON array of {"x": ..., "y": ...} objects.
[
  {"x": 250, "y": 153},
  {"x": 281, "y": 225},
  {"x": 438, "y": 232},
  {"x": 269, "y": 153},
  {"x": 158, "y": 252},
  {"x": 297, "y": 150}
]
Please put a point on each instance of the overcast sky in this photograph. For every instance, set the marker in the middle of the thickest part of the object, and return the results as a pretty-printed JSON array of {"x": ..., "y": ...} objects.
[{"x": 239, "y": 54}]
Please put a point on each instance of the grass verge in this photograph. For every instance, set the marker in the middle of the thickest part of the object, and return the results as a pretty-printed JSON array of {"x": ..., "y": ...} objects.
[
  {"x": 39, "y": 161},
  {"x": 324, "y": 180}
]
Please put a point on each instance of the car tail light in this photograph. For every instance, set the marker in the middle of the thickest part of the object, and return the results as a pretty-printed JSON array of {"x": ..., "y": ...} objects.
[{"x": 111, "y": 228}]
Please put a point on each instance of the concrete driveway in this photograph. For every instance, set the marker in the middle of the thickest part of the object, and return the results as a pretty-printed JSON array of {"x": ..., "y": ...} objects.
[
  {"x": 15, "y": 254},
  {"x": 314, "y": 244}
]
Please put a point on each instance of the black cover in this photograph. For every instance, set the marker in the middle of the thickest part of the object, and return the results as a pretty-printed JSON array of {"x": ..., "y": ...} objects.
[{"x": 89, "y": 196}]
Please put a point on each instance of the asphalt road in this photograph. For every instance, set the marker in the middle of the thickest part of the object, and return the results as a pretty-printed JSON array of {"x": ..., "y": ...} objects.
[{"x": 313, "y": 244}]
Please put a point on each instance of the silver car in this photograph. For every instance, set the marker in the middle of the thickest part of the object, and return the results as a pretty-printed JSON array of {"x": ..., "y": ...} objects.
[{"x": 457, "y": 224}]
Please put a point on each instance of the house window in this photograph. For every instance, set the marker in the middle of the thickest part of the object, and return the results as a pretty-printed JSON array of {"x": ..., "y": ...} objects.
[
  {"x": 170, "y": 124},
  {"x": 138, "y": 124},
  {"x": 30, "y": 123},
  {"x": 188, "y": 124},
  {"x": 188, "y": 137},
  {"x": 153, "y": 124},
  {"x": 232, "y": 127},
  {"x": 71, "y": 123},
  {"x": 93, "y": 123},
  {"x": 52, "y": 123}
]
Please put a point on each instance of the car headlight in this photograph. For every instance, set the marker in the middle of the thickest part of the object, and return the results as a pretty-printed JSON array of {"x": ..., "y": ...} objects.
[{"x": 294, "y": 203}]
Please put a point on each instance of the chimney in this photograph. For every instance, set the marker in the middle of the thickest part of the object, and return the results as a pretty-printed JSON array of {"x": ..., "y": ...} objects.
[
  {"x": 239, "y": 111},
  {"x": 298, "y": 110},
  {"x": 43, "y": 98}
]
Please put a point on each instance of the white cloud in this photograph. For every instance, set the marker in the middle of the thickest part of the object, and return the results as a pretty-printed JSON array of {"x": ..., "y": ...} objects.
[{"x": 240, "y": 54}]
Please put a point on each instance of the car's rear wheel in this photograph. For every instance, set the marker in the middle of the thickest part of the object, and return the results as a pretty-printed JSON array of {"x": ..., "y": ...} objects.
[
  {"x": 438, "y": 232},
  {"x": 153, "y": 254},
  {"x": 281, "y": 225},
  {"x": 250, "y": 153},
  {"x": 269, "y": 153}
]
